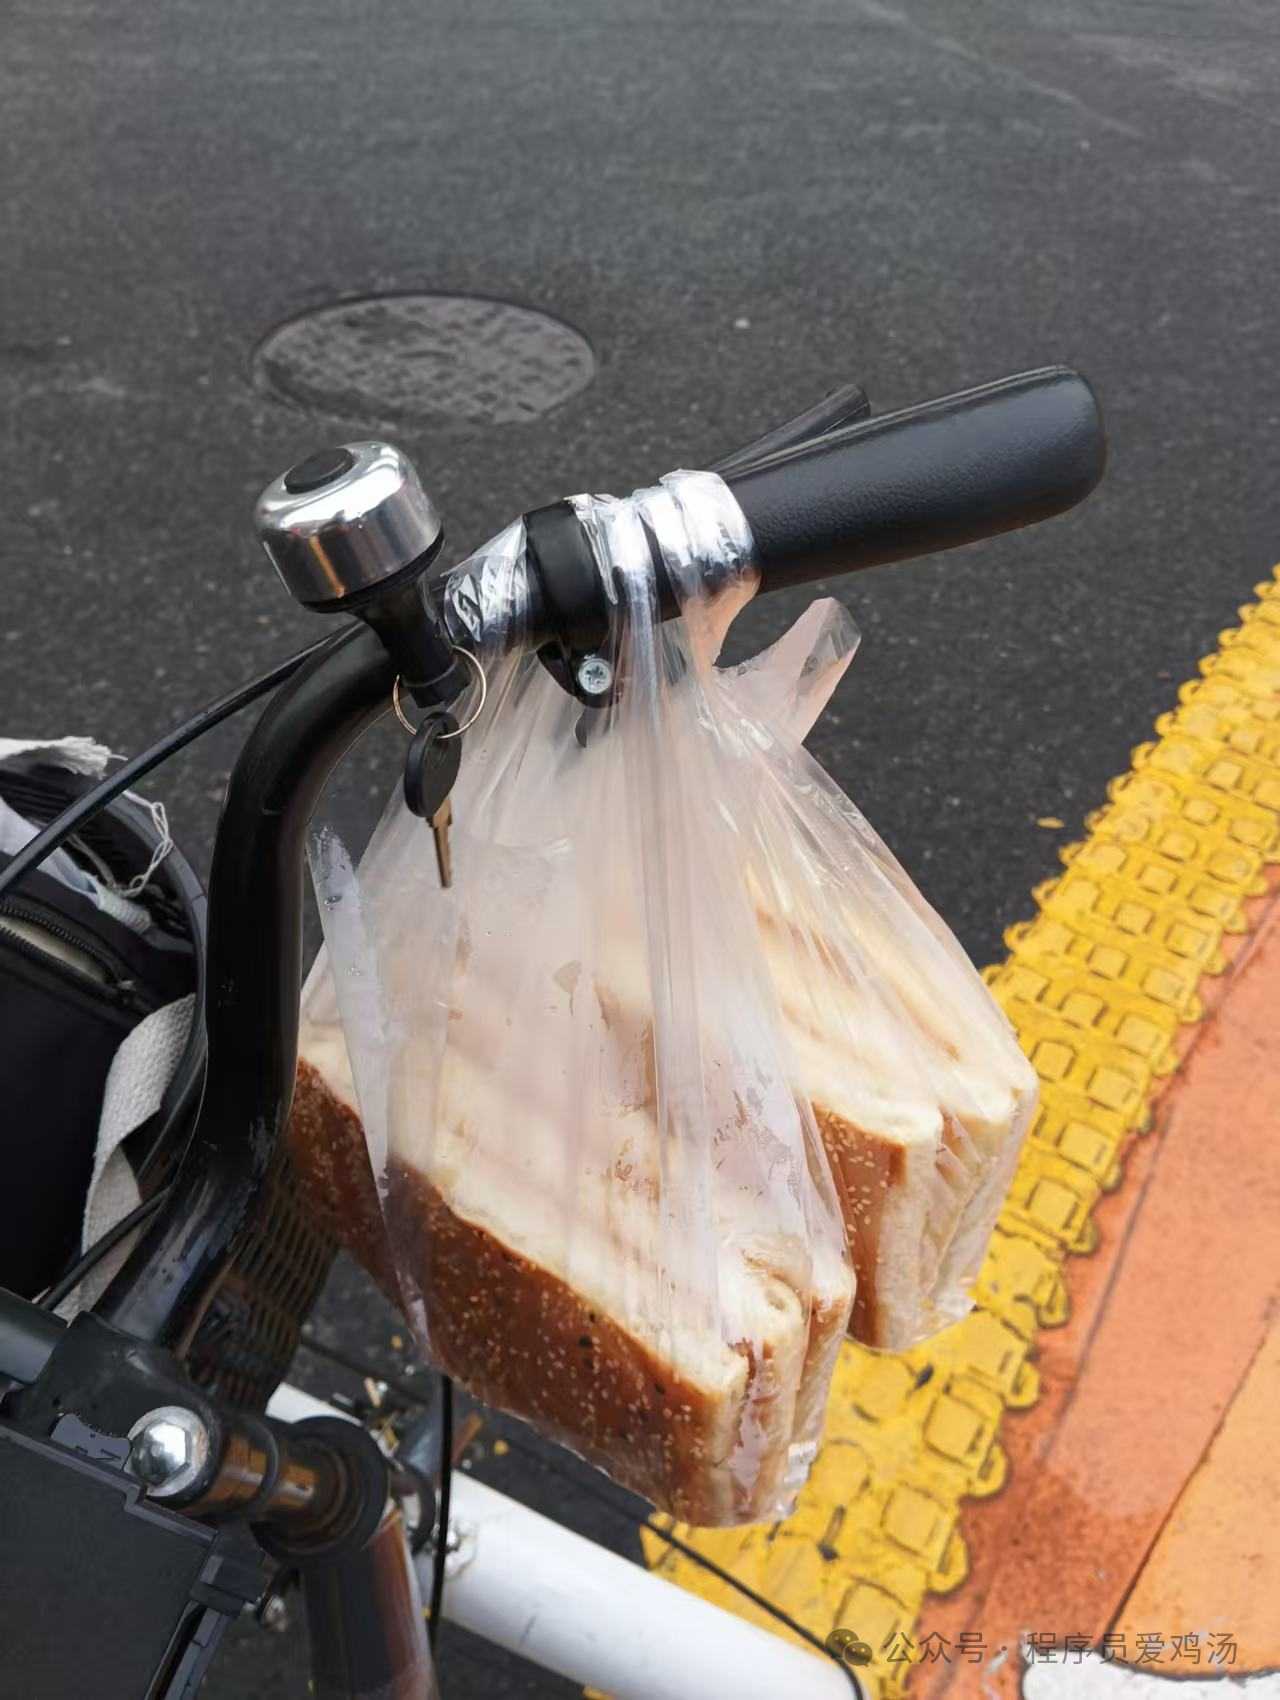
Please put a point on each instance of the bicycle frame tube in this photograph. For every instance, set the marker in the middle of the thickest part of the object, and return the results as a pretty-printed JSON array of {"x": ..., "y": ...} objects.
[{"x": 252, "y": 988}]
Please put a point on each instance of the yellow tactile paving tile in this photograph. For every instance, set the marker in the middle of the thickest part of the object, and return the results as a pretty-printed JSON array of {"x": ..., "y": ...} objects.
[{"x": 1105, "y": 986}]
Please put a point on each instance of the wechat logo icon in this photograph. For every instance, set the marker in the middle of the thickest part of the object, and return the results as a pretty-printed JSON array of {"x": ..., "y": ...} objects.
[{"x": 844, "y": 1645}]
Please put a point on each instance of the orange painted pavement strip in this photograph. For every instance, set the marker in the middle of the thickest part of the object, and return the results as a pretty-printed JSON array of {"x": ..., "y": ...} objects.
[
  {"x": 1217, "y": 1564},
  {"x": 1165, "y": 1325}
]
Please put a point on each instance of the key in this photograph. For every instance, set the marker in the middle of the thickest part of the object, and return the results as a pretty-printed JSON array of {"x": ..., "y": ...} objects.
[
  {"x": 430, "y": 771},
  {"x": 441, "y": 821}
]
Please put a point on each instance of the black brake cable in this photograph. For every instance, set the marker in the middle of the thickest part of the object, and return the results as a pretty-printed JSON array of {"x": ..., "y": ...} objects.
[
  {"x": 61, "y": 827},
  {"x": 776, "y": 1612},
  {"x": 53, "y": 1296},
  {"x": 439, "y": 1557},
  {"x": 593, "y": 1491}
]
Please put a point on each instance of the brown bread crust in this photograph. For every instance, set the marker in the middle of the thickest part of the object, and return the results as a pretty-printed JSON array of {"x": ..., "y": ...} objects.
[
  {"x": 522, "y": 1339},
  {"x": 867, "y": 1169},
  {"x": 326, "y": 1142}
]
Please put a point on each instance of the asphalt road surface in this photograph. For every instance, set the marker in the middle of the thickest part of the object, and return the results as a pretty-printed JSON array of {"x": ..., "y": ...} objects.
[{"x": 737, "y": 205}]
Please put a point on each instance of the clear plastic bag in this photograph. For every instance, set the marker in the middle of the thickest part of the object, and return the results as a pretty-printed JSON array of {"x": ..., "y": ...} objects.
[{"x": 679, "y": 1042}]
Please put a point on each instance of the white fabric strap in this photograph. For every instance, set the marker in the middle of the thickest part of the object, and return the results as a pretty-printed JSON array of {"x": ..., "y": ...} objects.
[{"x": 138, "y": 1080}]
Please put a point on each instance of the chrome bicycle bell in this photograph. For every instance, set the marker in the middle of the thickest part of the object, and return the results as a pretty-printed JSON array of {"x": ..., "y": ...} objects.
[
  {"x": 348, "y": 522},
  {"x": 351, "y": 530}
]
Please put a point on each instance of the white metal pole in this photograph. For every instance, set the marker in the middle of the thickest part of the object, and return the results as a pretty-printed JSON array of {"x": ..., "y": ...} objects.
[{"x": 531, "y": 1586}]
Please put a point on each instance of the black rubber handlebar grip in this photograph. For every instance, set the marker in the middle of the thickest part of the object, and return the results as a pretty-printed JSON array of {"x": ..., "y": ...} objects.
[{"x": 929, "y": 478}]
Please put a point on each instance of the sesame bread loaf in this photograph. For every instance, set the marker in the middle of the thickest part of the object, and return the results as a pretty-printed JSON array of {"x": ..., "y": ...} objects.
[{"x": 543, "y": 1303}]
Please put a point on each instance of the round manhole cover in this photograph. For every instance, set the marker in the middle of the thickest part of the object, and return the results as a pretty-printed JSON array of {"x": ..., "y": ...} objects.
[{"x": 425, "y": 357}]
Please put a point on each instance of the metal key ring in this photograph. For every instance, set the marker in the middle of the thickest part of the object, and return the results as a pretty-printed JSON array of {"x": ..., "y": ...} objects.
[{"x": 470, "y": 659}]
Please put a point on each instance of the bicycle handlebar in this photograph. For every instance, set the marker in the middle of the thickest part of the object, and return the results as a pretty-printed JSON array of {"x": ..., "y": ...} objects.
[
  {"x": 928, "y": 478},
  {"x": 831, "y": 491},
  {"x": 822, "y": 497}
]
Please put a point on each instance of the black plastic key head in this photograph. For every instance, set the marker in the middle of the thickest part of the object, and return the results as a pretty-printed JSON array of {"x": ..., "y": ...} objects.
[{"x": 431, "y": 765}]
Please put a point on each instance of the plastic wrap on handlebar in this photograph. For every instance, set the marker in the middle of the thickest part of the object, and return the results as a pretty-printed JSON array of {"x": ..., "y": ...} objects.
[{"x": 929, "y": 478}]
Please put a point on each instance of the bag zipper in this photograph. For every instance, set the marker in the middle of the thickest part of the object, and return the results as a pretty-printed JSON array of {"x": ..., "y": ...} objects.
[{"x": 122, "y": 987}]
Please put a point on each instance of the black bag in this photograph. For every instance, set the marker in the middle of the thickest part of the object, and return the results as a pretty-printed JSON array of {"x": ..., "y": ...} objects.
[{"x": 74, "y": 981}]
